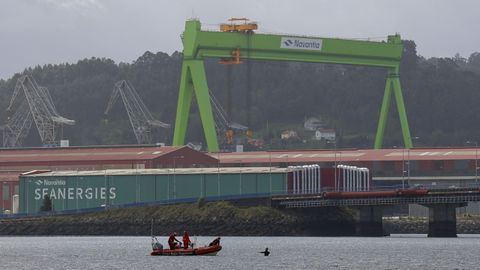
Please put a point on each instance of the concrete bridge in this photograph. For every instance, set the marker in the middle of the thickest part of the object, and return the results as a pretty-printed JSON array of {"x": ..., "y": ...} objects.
[{"x": 441, "y": 205}]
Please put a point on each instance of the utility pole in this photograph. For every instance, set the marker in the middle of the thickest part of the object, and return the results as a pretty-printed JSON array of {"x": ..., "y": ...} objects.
[
  {"x": 476, "y": 160},
  {"x": 174, "y": 178},
  {"x": 476, "y": 163},
  {"x": 403, "y": 168},
  {"x": 335, "y": 161},
  {"x": 408, "y": 158},
  {"x": 408, "y": 166}
]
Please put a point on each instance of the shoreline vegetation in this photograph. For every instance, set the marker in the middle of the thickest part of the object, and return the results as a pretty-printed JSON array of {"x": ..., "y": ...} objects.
[{"x": 216, "y": 218}]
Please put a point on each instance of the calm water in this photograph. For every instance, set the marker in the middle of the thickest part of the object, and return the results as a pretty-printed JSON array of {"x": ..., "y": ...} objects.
[{"x": 396, "y": 252}]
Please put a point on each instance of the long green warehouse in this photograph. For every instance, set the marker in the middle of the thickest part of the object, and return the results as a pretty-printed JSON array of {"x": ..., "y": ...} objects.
[{"x": 70, "y": 190}]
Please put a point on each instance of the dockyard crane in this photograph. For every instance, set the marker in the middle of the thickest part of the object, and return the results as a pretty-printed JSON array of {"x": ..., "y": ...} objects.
[
  {"x": 35, "y": 105},
  {"x": 18, "y": 126},
  {"x": 140, "y": 117},
  {"x": 234, "y": 43},
  {"x": 223, "y": 124}
]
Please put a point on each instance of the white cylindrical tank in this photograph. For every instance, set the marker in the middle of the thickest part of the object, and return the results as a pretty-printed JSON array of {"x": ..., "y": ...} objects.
[
  {"x": 350, "y": 178},
  {"x": 353, "y": 178},
  {"x": 358, "y": 186},
  {"x": 344, "y": 176},
  {"x": 365, "y": 179},
  {"x": 307, "y": 178},
  {"x": 314, "y": 178},
  {"x": 295, "y": 180},
  {"x": 15, "y": 203},
  {"x": 304, "y": 179},
  {"x": 347, "y": 177},
  {"x": 310, "y": 179},
  {"x": 368, "y": 178}
]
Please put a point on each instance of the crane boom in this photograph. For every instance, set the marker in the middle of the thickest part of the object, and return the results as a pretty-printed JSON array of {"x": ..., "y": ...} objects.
[{"x": 141, "y": 119}]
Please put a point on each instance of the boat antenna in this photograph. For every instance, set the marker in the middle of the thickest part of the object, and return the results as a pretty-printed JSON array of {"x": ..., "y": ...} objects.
[{"x": 151, "y": 228}]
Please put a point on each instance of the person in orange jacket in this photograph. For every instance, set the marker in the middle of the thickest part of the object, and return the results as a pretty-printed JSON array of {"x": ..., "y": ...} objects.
[{"x": 186, "y": 240}]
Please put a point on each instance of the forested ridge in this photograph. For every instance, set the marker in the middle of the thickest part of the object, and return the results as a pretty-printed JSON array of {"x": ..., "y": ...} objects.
[{"x": 441, "y": 97}]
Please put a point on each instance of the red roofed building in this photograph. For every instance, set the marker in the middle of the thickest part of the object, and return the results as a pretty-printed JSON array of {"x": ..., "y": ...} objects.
[{"x": 456, "y": 164}]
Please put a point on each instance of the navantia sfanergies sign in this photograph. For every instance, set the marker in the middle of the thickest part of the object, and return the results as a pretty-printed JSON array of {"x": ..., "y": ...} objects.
[{"x": 57, "y": 190}]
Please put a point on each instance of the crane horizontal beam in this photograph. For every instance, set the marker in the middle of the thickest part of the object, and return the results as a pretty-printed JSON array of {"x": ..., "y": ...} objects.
[{"x": 201, "y": 44}]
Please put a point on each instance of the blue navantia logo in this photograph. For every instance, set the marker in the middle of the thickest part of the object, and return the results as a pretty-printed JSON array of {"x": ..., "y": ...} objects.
[
  {"x": 288, "y": 42},
  {"x": 301, "y": 43}
]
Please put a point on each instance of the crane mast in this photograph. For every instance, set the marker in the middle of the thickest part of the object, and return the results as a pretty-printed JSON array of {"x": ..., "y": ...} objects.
[
  {"x": 35, "y": 106},
  {"x": 141, "y": 119},
  {"x": 17, "y": 126}
]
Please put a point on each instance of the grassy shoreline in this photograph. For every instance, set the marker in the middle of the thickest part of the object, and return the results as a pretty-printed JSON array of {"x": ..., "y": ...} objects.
[
  {"x": 217, "y": 218},
  {"x": 213, "y": 218}
]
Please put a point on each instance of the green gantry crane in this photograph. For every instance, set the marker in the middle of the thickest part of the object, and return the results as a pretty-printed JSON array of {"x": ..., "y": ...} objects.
[{"x": 235, "y": 42}]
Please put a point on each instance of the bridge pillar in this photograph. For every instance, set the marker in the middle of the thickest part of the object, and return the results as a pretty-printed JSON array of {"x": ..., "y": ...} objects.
[
  {"x": 369, "y": 221},
  {"x": 442, "y": 220}
]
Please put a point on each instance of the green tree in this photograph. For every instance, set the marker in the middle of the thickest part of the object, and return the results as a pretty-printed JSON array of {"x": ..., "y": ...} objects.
[{"x": 46, "y": 205}]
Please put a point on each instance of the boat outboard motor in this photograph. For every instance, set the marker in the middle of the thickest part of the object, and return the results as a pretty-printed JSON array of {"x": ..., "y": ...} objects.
[{"x": 156, "y": 245}]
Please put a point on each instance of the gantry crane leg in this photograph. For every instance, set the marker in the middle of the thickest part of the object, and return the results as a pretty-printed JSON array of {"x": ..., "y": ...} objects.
[
  {"x": 194, "y": 79},
  {"x": 393, "y": 81}
]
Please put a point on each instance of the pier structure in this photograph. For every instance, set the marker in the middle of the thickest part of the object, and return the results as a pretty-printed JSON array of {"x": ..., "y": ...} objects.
[{"x": 441, "y": 206}]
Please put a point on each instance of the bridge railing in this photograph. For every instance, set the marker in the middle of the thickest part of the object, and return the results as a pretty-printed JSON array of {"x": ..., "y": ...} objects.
[{"x": 440, "y": 186}]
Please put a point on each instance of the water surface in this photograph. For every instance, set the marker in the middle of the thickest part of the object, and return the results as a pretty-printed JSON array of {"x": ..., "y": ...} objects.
[{"x": 395, "y": 252}]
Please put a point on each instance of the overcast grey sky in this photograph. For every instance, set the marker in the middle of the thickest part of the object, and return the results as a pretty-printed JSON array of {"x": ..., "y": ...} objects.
[{"x": 37, "y": 32}]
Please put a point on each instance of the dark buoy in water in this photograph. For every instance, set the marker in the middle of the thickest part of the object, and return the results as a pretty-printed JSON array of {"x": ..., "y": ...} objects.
[{"x": 266, "y": 252}]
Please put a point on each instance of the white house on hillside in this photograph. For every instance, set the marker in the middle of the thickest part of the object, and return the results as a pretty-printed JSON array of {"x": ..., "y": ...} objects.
[
  {"x": 327, "y": 134},
  {"x": 289, "y": 134},
  {"x": 313, "y": 124}
]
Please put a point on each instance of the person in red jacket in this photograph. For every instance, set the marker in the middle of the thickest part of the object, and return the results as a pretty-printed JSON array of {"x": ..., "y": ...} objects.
[
  {"x": 186, "y": 240},
  {"x": 172, "y": 241},
  {"x": 215, "y": 242}
]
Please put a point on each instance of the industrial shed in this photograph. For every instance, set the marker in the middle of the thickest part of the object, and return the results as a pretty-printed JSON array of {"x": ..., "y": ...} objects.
[{"x": 70, "y": 190}]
